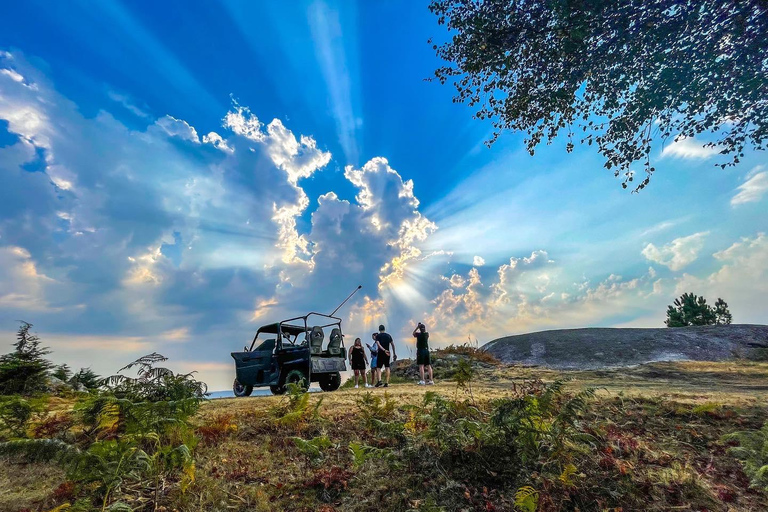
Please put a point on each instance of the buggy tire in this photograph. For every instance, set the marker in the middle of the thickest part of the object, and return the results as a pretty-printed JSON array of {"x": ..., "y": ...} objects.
[
  {"x": 330, "y": 382},
  {"x": 277, "y": 390},
  {"x": 296, "y": 377},
  {"x": 241, "y": 390}
]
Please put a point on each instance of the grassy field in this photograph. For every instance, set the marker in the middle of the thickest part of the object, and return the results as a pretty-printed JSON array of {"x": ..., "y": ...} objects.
[{"x": 653, "y": 442}]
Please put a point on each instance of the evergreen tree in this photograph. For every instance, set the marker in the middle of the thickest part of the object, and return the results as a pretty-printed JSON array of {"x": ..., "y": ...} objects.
[
  {"x": 722, "y": 314},
  {"x": 24, "y": 370},
  {"x": 691, "y": 309},
  {"x": 87, "y": 378},
  {"x": 62, "y": 372}
]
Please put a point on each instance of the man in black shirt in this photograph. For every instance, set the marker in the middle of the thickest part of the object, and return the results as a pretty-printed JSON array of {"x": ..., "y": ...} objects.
[{"x": 385, "y": 343}]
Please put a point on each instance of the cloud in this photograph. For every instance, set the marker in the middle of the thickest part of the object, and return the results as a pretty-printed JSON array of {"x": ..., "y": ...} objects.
[
  {"x": 742, "y": 279},
  {"x": 127, "y": 103},
  {"x": 478, "y": 261},
  {"x": 677, "y": 254},
  {"x": 689, "y": 148},
  {"x": 178, "y": 128},
  {"x": 217, "y": 141},
  {"x": 753, "y": 189}
]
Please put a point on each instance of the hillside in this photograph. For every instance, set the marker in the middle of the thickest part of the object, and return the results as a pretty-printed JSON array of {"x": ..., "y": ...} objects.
[{"x": 593, "y": 348}]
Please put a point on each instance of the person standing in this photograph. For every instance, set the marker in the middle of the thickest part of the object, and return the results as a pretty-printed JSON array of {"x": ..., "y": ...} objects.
[
  {"x": 385, "y": 344},
  {"x": 422, "y": 353},
  {"x": 374, "y": 348},
  {"x": 358, "y": 360}
]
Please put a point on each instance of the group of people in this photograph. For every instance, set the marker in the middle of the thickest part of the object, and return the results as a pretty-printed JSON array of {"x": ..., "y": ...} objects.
[{"x": 383, "y": 354}]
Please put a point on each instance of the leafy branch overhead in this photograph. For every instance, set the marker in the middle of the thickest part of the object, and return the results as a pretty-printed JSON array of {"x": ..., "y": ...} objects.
[{"x": 617, "y": 74}]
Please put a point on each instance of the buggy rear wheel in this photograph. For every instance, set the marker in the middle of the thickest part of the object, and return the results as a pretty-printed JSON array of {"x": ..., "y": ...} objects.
[
  {"x": 277, "y": 390},
  {"x": 241, "y": 389},
  {"x": 298, "y": 378},
  {"x": 330, "y": 382}
]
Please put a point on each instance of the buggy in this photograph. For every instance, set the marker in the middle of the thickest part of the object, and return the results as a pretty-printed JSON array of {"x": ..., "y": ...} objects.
[{"x": 292, "y": 351}]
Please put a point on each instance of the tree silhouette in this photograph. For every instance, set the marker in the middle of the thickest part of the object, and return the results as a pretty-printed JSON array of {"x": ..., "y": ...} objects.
[{"x": 619, "y": 73}]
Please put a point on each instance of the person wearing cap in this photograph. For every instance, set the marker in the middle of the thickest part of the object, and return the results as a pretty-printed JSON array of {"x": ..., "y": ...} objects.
[{"x": 385, "y": 344}]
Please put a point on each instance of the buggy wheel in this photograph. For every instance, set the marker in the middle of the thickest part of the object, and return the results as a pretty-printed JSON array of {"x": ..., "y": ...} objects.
[
  {"x": 277, "y": 390},
  {"x": 298, "y": 378},
  {"x": 241, "y": 389},
  {"x": 330, "y": 382}
]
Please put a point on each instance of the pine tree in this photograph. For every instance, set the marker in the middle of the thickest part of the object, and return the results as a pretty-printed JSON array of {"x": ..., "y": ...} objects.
[
  {"x": 722, "y": 314},
  {"x": 24, "y": 370},
  {"x": 691, "y": 309}
]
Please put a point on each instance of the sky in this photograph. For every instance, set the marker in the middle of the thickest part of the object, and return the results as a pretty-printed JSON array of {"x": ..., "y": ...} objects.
[{"x": 175, "y": 174}]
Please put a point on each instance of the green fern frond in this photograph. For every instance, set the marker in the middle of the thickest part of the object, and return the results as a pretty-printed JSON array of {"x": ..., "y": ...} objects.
[{"x": 41, "y": 450}]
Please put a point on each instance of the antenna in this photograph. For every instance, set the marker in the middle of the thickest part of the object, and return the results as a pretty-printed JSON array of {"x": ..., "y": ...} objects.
[{"x": 345, "y": 300}]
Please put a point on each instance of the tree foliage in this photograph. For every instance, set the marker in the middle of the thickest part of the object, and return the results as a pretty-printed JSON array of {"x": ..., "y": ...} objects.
[
  {"x": 691, "y": 309},
  {"x": 619, "y": 73},
  {"x": 24, "y": 370}
]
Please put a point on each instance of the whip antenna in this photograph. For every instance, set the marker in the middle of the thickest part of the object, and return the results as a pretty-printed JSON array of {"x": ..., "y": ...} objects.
[{"x": 345, "y": 300}]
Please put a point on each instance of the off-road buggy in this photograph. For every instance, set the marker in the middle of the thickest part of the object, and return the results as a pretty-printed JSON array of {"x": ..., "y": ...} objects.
[{"x": 299, "y": 350}]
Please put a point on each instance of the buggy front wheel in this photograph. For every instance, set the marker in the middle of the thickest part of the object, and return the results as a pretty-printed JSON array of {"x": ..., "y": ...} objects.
[
  {"x": 298, "y": 378},
  {"x": 330, "y": 382},
  {"x": 241, "y": 389}
]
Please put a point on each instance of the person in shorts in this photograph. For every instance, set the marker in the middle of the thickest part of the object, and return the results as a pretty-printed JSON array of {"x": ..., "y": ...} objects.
[
  {"x": 423, "y": 358},
  {"x": 358, "y": 360},
  {"x": 374, "y": 349},
  {"x": 386, "y": 344}
]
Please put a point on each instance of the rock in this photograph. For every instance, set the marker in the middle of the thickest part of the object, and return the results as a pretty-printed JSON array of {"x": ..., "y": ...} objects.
[{"x": 57, "y": 385}]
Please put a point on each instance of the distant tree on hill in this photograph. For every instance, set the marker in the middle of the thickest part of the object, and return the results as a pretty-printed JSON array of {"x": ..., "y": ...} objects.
[
  {"x": 25, "y": 370},
  {"x": 691, "y": 309},
  {"x": 619, "y": 74},
  {"x": 724, "y": 316}
]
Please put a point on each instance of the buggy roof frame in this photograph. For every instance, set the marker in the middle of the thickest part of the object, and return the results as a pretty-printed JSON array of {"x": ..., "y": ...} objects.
[{"x": 284, "y": 327}]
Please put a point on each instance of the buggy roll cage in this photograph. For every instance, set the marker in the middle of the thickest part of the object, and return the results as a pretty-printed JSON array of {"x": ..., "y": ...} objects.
[{"x": 284, "y": 327}]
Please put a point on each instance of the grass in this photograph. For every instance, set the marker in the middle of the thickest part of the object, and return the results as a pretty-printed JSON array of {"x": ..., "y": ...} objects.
[{"x": 653, "y": 442}]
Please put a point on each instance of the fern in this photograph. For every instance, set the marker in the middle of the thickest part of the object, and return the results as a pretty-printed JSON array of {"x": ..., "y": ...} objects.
[
  {"x": 41, "y": 450},
  {"x": 527, "y": 499},
  {"x": 753, "y": 454}
]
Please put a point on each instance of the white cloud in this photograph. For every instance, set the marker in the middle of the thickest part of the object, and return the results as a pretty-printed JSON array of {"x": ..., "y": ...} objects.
[
  {"x": 478, "y": 261},
  {"x": 753, "y": 189},
  {"x": 742, "y": 279},
  {"x": 178, "y": 128},
  {"x": 217, "y": 141},
  {"x": 689, "y": 148},
  {"x": 678, "y": 253},
  {"x": 13, "y": 75}
]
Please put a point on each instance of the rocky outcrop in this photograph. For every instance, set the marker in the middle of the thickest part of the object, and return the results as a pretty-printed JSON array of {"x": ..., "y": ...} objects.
[{"x": 604, "y": 348}]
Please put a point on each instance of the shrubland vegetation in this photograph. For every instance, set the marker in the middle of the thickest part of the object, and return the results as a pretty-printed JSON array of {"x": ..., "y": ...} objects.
[{"x": 491, "y": 438}]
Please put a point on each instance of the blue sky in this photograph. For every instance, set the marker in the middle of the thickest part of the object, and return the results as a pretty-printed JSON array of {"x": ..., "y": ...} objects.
[{"x": 175, "y": 174}]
